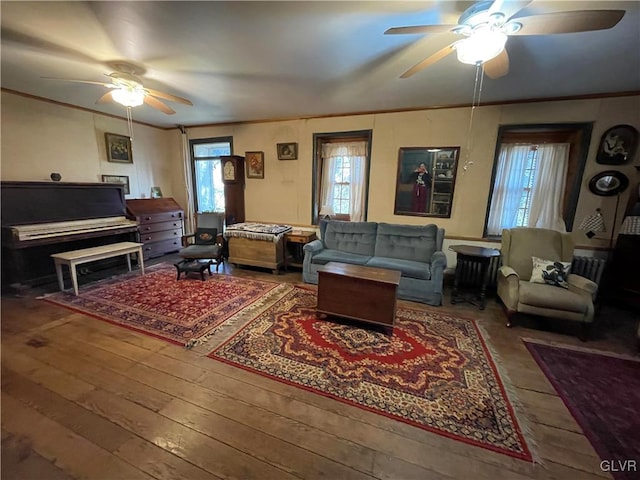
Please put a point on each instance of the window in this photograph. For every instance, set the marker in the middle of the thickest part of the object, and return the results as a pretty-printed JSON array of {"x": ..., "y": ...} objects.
[
  {"x": 536, "y": 177},
  {"x": 341, "y": 175},
  {"x": 207, "y": 175}
]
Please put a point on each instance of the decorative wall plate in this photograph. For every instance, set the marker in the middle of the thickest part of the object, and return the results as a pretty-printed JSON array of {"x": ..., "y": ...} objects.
[
  {"x": 608, "y": 183},
  {"x": 618, "y": 145}
]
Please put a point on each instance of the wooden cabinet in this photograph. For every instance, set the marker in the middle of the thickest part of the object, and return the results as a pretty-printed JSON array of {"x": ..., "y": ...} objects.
[
  {"x": 294, "y": 242},
  {"x": 160, "y": 225}
]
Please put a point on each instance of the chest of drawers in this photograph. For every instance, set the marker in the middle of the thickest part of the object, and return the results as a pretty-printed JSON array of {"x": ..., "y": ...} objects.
[{"x": 160, "y": 223}]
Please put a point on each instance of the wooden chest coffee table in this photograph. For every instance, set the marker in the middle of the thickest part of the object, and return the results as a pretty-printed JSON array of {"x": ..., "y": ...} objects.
[{"x": 361, "y": 293}]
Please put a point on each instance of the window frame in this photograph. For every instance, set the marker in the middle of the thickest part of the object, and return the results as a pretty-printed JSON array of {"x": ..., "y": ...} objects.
[
  {"x": 337, "y": 137},
  {"x": 578, "y": 135},
  {"x": 192, "y": 145}
]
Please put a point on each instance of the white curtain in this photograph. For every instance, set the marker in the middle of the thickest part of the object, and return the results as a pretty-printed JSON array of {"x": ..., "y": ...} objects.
[
  {"x": 509, "y": 184},
  {"x": 357, "y": 154},
  {"x": 548, "y": 189},
  {"x": 189, "y": 221}
]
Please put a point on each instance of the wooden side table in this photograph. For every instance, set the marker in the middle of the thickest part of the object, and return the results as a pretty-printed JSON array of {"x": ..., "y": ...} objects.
[
  {"x": 472, "y": 262},
  {"x": 294, "y": 241}
]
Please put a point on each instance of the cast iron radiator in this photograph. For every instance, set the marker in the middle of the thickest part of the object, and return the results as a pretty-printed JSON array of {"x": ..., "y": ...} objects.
[
  {"x": 588, "y": 267},
  {"x": 470, "y": 273}
]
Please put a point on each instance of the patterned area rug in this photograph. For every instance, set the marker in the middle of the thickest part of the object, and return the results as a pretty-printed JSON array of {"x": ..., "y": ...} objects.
[
  {"x": 433, "y": 371},
  {"x": 602, "y": 392},
  {"x": 179, "y": 311}
]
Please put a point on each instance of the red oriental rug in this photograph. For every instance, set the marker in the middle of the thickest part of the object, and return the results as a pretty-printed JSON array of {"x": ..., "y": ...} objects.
[
  {"x": 602, "y": 392},
  {"x": 179, "y": 311},
  {"x": 433, "y": 371}
]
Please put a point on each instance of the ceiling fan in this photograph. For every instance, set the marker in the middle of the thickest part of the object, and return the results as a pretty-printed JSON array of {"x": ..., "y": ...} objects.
[
  {"x": 486, "y": 26},
  {"x": 126, "y": 88}
]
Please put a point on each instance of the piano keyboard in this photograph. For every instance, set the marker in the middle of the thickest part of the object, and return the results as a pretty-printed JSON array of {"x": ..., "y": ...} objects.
[{"x": 23, "y": 233}]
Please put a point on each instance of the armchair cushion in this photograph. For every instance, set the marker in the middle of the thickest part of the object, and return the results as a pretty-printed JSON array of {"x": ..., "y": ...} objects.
[
  {"x": 542, "y": 296},
  {"x": 550, "y": 272}
]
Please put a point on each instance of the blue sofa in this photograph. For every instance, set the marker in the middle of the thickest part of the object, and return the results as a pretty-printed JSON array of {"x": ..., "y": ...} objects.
[{"x": 416, "y": 251}]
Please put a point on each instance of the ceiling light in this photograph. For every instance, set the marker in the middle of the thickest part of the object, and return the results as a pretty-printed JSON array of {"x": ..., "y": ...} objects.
[
  {"x": 128, "y": 96},
  {"x": 484, "y": 44}
]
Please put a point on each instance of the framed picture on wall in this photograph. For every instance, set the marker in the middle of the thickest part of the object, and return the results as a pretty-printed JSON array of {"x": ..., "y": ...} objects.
[
  {"x": 120, "y": 179},
  {"x": 617, "y": 145},
  {"x": 255, "y": 164},
  {"x": 118, "y": 148},
  {"x": 287, "y": 151}
]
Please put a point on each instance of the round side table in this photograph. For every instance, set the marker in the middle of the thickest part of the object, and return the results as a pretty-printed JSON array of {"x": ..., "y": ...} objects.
[{"x": 473, "y": 264}]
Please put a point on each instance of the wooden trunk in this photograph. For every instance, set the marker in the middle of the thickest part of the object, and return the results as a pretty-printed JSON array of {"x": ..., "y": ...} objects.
[{"x": 256, "y": 253}]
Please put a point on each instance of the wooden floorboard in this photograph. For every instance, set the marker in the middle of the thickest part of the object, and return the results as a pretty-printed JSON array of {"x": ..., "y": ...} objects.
[{"x": 82, "y": 398}]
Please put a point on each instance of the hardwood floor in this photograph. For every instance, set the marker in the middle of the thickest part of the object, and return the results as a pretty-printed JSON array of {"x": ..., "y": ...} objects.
[{"x": 82, "y": 398}]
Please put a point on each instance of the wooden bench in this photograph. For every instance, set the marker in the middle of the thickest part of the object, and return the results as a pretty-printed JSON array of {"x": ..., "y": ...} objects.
[{"x": 85, "y": 255}]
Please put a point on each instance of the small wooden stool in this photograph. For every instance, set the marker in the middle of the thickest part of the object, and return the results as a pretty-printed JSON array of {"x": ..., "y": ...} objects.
[{"x": 199, "y": 266}]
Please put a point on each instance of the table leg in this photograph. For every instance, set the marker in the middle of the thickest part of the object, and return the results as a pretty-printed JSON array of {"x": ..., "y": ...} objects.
[
  {"x": 74, "y": 277},
  {"x": 454, "y": 293},
  {"x": 141, "y": 260},
  {"x": 485, "y": 277},
  {"x": 59, "y": 275},
  {"x": 128, "y": 255}
]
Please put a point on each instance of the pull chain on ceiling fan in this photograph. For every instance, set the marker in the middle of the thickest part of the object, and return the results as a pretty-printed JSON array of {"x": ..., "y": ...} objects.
[{"x": 487, "y": 25}]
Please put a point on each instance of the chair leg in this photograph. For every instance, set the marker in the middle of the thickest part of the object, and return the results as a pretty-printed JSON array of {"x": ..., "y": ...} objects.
[{"x": 511, "y": 320}]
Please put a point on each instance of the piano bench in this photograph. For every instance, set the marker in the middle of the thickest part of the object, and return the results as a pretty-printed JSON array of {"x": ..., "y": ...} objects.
[{"x": 77, "y": 257}]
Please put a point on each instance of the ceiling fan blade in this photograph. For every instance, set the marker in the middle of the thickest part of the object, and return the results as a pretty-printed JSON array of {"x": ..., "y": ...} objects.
[
  {"x": 439, "y": 55},
  {"x": 419, "y": 29},
  {"x": 508, "y": 7},
  {"x": 106, "y": 98},
  {"x": 157, "y": 104},
  {"x": 108, "y": 85},
  {"x": 568, "y": 22},
  {"x": 168, "y": 96},
  {"x": 498, "y": 66}
]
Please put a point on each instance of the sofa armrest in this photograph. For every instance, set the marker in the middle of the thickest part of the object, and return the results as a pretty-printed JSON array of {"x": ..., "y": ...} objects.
[
  {"x": 438, "y": 260},
  {"x": 582, "y": 284},
  {"x": 313, "y": 246}
]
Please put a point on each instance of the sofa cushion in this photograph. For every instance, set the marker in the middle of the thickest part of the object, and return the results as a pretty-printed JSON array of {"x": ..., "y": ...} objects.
[
  {"x": 351, "y": 237},
  {"x": 408, "y": 268},
  {"x": 406, "y": 242},
  {"x": 327, "y": 255},
  {"x": 545, "y": 296}
]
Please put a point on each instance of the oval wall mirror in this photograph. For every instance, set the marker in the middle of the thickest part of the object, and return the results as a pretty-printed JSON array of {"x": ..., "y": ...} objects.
[{"x": 608, "y": 183}]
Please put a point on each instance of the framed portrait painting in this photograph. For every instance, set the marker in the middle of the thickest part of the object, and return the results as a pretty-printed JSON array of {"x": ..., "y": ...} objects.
[
  {"x": 118, "y": 148},
  {"x": 618, "y": 145},
  {"x": 255, "y": 164}
]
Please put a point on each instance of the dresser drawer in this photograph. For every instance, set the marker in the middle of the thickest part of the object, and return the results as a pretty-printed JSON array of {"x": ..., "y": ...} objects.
[
  {"x": 159, "y": 227},
  {"x": 159, "y": 217},
  {"x": 157, "y": 249},
  {"x": 149, "y": 237}
]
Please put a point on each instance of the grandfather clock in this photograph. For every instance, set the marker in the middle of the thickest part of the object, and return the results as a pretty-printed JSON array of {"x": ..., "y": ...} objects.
[{"x": 233, "y": 179}]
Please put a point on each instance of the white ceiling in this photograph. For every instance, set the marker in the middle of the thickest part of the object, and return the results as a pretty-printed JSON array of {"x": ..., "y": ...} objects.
[{"x": 240, "y": 61}]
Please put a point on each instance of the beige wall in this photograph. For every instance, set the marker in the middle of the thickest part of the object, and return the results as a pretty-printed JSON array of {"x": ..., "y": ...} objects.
[
  {"x": 40, "y": 137},
  {"x": 284, "y": 195}
]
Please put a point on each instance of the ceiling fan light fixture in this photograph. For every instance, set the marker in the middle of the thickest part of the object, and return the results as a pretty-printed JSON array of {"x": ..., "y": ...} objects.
[
  {"x": 484, "y": 44},
  {"x": 128, "y": 96}
]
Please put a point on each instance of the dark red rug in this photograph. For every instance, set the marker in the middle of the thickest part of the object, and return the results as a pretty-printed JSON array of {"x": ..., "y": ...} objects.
[
  {"x": 433, "y": 371},
  {"x": 602, "y": 392},
  {"x": 179, "y": 311}
]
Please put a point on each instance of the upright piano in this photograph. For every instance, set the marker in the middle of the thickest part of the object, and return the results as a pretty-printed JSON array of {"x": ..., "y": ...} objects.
[{"x": 41, "y": 218}]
